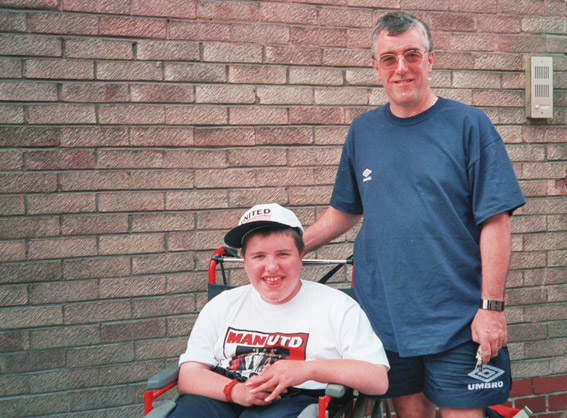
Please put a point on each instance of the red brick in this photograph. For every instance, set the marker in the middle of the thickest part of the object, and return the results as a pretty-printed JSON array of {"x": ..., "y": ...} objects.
[
  {"x": 11, "y": 160},
  {"x": 11, "y": 114},
  {"x": 131, "y": 70},
  {"x": 124, "y": 331},
  {"x": 96, "y": 267},
  {"x": 162, "y": 137},
  {"x": 255, "y": 74},
  {"x": 550, "y": 384},
  {"x": 13, "y": 22},
  {"x": 260, "y": 34},
  {"x": 14, "y": 341},
  {"x": 63, "y": 292},
  {"x": 315, "y": 156},
  {"x": 99, "y": 93},
  {"x": 62, "y": 248},
  {"x": 129, "y": 287},
  {"x": 130, "y": 201},
  {"x": 194, "y": 200},
  {"x": 29, "y": 227},
  {"x": 132, "y": 114},
  {"x": 133, "y": 27},
  {"x": 293, "y": 55},
  {"x": 299, "y": 196},
  {"x": 245, "y": 198},
  {"x": 285, "y": 177},
  {"x": 196, "y": 115},
  {"x": 163, "y": 222},
  {"x": 521, "y": 387},
  {"x": 131, "y": 244},
  {"x": 94, "y": 137},
  {"x": 227, "y": 10},
  {"x": 536, "y": 404},
  {"x": 59, "y": 69},
  {"x": 161, "y": 180},
  {"x": 319, "y": 36},
  {"x": 67, "y": 24},
  {"x": 258, "y": 115},
  {"x": 288, "y": 13},
  {"x": 498, "y": 98},
  {"x": 225, "y": 94},
  {"x": 61, "y": 114},
  {"x": 29, "y": 45},
  {"x": 59, "y": 160},
  {"x": 233, "y": 53},
  {"x": 215, "y": 179},
  {"x": 160, "y": 306},
  {"x": 341, "y": 96},
  {"x": 218, "y": 137},
  {"x": 161, "y": 93},
  {"x": 26, "y": 91},
  {"x": 61, "y": 203},
  {"x": 521, "y": 43},
  {"x": 195, "y": 159},
  {"x": 162, "y": 263},
  {"x": 251, "y": 157},
  {"x": 93, "y": 180},
  {"x": 316, "y": 115},
  {"x": 558, "y": 402},
  {"x": 204, "y": 73},
  {"x": 151, "y": 349},
  {"x": 285, "y": 95},
  {"x": 283, "y": 136},
  {"x": 346, "y": 58},
  {"x": 35, "y": 360},
  {"x": 316, "y": 76},
  {"x": 94, "y": 356},
  {"x": 13, "y": 296},
  {"x": 359, "y": 38},
  {"x": 94, "y": 224},
  {"x": 330, "y": 135},
  {"x": 27, "y": 183},
  {"x": 101, "y": 6},
  {"x": 342, "y": 17},
  {"x": 11, "y": 68},
  {"x": 30, "y": 272},
  {"x": 197, "y": 31},
  {"x": 544, "y": 134},
  {"x": 173, "y": 8},
  {"x": 112, "y": 159},
  {"x": 499, "y": 24},
  {"x": 12, "y": 205},
  {"x": 167, "y": 50},
  {"x": 98, "y": 48},
  {"x": 192, "y": 241}
]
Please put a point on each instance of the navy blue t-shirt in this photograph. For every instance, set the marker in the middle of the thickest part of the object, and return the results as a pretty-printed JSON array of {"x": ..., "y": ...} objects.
[{"x": 425, "y": 184}]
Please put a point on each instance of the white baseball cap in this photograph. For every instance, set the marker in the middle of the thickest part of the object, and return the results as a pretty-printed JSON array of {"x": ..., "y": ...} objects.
[{"x": 260, "y": 216}]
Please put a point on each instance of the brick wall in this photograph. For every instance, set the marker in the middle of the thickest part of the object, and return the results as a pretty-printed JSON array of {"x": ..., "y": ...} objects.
[{"x": 133, "y": 133}]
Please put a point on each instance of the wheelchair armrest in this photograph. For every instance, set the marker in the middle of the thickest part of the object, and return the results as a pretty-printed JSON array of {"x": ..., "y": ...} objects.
[
  {"x": 162, "y": 410},
  {"x": 335, "y": 390},
  {"x": 163, "y": 378}
]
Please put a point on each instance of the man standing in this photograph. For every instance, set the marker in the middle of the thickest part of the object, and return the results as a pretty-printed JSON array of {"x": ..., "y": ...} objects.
[{"x": 436, "y": 187}]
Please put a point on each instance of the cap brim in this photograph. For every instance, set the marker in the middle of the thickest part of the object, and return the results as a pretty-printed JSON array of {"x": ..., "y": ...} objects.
[{"x": 234, "y": 237}]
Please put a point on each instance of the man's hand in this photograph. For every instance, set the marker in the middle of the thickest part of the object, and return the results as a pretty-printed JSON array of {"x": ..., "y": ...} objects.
[
  {"x": 489, "y": 331},
  {"x": 276, "y": 378}
]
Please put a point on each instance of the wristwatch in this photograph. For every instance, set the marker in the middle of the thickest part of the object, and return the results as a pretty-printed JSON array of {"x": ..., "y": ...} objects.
[{"x": 492, "y": 305}]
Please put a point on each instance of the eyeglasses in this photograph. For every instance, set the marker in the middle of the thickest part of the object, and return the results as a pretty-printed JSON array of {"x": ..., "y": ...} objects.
[{"x": 390, "y": 61}]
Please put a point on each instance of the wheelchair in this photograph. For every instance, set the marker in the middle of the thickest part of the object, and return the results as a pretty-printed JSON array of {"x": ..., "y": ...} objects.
[{"x": 357, "y": 405}]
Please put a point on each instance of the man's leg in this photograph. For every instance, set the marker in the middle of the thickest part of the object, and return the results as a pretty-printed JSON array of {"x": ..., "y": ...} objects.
[
  {"x": 414, "y": 406},
  {"x": 197, "y": 406},
  {"x": 461, "y": 413},
  {"x": 406, "y": 377}
]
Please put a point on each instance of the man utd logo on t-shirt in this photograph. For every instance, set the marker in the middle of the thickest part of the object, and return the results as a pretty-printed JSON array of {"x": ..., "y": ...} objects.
[{"x": 250, "y": 351}]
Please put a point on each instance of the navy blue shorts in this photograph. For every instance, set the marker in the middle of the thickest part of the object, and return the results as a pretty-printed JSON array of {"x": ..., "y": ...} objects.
[{"x": 449, "y": 379}]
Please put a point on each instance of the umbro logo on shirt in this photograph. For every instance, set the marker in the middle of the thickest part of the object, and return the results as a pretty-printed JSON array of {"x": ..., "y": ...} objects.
[{"x": 366, "y": 175}]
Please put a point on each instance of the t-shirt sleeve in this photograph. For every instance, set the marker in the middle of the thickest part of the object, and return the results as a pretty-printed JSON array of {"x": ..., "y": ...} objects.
[
  {"x": 495, "y": 188},
  {"x": 200, "y": 347},
  {"x": 358, "y": 339}
]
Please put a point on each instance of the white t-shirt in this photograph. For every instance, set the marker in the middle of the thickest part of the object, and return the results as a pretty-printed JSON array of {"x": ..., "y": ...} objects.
[{"x": 238, "y": 331}]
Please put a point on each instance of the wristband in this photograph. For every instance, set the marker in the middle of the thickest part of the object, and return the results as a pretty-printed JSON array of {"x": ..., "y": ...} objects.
[
  {"x": 492, "y": 305},
  {"x": 228, "y": 388}
]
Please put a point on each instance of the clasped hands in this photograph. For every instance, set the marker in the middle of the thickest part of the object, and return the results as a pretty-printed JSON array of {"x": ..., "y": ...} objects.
[{"x": 273, "y": 381}]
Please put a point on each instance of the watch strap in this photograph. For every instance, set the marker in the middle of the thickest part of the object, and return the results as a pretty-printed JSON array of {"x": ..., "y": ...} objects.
[
  {"x": 228, "y": 389},
  {"x": 492, "y": 305}
]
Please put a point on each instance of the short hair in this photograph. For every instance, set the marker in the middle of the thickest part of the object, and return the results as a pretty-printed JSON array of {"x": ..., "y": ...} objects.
[
  {"x": 267, "y": 230},
  {"x": 396, "y": 23}
]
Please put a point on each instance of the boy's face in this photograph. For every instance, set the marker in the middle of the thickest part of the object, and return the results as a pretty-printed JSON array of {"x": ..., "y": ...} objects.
[{"x": 272, "y": 263}]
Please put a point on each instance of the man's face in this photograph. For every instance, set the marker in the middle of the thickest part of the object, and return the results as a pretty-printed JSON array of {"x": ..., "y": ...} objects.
[
  {"x": 272, "y": 264},
  {"x": 406, "y": 84}
]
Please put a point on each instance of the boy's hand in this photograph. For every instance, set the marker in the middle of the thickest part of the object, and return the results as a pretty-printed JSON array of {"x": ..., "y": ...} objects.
[
  {"x": 276, "y": 378},
  {"x": 243, "y": 395}
]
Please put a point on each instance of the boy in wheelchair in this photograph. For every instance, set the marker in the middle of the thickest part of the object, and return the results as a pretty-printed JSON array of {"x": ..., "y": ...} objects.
[{"x": 320, "y": 334}]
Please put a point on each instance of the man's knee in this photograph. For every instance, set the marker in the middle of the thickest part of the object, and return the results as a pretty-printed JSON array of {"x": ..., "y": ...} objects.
[{"x": 414, "y": 406}]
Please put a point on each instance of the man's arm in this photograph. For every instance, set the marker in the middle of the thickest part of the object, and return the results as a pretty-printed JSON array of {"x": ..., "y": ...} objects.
[
  {"x": 330, "y": 225},
  {"x": 489, "y": 327}
]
